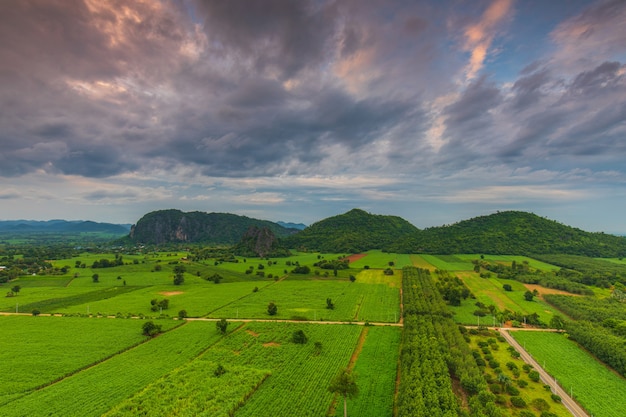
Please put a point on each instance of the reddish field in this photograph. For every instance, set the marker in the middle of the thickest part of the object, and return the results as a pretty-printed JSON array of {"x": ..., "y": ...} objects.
[{"x": 355, "y": 257}]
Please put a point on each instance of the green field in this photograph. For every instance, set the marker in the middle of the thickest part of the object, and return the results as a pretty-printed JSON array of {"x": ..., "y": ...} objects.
[
  {"x": 489, "y": 291},
  {"x": 595, "y": 387},
  {"x": 94, "y": 360}
]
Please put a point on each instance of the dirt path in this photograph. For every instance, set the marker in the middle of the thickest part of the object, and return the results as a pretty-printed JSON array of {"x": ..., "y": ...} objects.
[{"x": 568, "y": 402}]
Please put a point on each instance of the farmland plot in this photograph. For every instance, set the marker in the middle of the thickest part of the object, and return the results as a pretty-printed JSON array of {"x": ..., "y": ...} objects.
[
  {"x": 69, "y": 344},
  {"x": 375, "y": 370},
  {"x": 96, "y": 389},
  {"x": 595, "y": 387}
]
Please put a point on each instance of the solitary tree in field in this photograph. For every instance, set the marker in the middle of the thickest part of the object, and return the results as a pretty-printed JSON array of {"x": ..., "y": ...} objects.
[
  {"x": 528, "y": 296},
  {"x": 16, "y": 289},
  {"x": 344, "y": 384},
  {"x": 221, "y": 326},
  {"x": 329, "y": 304},
  {"x": 95, "y": 278},
  {"x": 272, "y": 309},
  {"x": 151, "y": 329}
]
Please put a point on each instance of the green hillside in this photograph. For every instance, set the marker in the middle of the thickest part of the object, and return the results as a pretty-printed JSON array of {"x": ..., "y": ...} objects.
[
  {"x": 352, "y": 232},
  {"x": 511, "y": 232}
]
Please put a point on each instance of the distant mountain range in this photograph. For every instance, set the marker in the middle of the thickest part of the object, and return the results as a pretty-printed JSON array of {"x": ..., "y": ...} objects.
[
  {"x": 507, "y": 232},
  {"x": 61, "y": 226}
]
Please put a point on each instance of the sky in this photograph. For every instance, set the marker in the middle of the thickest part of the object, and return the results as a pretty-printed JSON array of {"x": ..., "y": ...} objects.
[{"x": 282, "y": 110}]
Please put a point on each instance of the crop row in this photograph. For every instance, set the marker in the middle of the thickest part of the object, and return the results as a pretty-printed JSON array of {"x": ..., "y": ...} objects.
[
  {"x": 433, "y": 350},
  {"x": 95, "y": 390}
]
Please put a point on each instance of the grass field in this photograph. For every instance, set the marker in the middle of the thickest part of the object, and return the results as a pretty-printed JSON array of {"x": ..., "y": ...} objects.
[
  {"x": 105, "y": 366},
  {"x": 71, "y": 341},
  {"x": 596, "y": 388},
  {"x": 489, "y": 291},
  {"x": 375, "y": 370}
]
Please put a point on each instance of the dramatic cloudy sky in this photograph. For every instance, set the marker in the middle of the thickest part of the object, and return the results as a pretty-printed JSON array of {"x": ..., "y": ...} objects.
[{"x": 436, "y": 111}]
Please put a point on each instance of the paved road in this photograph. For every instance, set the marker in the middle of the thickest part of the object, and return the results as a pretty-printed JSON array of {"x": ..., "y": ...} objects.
[{"x": 568, "y": 402}]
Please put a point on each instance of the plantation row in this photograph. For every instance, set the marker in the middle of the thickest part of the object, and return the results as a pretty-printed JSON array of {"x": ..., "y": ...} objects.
[{"x": 433, "y": 350}]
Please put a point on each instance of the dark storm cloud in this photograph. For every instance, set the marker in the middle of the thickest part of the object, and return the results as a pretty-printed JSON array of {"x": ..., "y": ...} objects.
[{"x": 274, "y": 34}]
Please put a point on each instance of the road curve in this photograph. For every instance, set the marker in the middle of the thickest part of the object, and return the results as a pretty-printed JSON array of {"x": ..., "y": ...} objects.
[{"x": 568, "y": 402}]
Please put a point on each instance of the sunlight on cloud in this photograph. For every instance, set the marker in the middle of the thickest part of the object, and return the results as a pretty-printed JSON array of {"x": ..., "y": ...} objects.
[{"x": 479, "y": 36}]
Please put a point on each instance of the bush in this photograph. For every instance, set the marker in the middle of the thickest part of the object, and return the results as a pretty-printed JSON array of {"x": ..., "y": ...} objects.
[
  {"x": 540, "y": 404},
  {"x": 534, "y": 376},
  {"x": 219, "y": 371},
  {"x": 151, "y": 329},
  {"x": 182, "y": 314},
  {"x": 521, "y": 383},
  {"x": 526, "y": 413},
  {"x": 36, "y": 312},
  {"x": 272, "y": 309},
  {"x": 299, "y": 337},
  {"x": 518, "y": 402},
  {"x": 555, "y": 398},
  {"x": 511, "y": 390},
  {"x": 495, "y": 388}
]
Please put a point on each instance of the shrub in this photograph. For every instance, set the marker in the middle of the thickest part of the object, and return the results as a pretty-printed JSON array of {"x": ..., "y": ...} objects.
[
  {"x": 534, "y": 376},
  {"x": 495, "y": 388},
  {"x": 219, "y": 371},
  {"x": 299, "y": 337},
  {"x": 521, "y": 383},
  {"x": 526, "y": 413},
  {"x": 511, "y": 390},
  {"x": 518, "y": 402},
  {"x": 555, "y": 398},
  {"x": 494, "y": 364},
  {"x": 540, "y": 404}
]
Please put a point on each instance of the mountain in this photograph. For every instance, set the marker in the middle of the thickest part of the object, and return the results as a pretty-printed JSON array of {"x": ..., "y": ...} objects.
[
  {"x": 261, "y": 242},
  {"x": 298, "y": 226},
  {"x": 175, "y": 226},
  {"x": 512, "y": 233},
  {"x": 61, "y": 226},
  {"x": 352, "y": 232}
]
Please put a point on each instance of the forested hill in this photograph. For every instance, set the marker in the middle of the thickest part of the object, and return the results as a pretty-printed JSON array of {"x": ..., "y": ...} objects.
[
  {"x": 16, "y": 227},
  {"x": 352, "y": 232},
  {"x": 511, "y": 232},
  {"x": 175, "y": 226}
]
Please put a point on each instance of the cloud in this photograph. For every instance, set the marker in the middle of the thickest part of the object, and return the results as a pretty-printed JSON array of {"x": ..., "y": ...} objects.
[{"x": 479, "y": 36}]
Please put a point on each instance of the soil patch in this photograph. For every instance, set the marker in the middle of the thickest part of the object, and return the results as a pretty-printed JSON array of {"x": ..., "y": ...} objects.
[
  {"x": 170, "y": 293},
  {"x": 250, "y": 332},
  {"x": 271, "y": 344},
  {"x": 543, "y": 290},
  {"x": 355, "y": 257}
]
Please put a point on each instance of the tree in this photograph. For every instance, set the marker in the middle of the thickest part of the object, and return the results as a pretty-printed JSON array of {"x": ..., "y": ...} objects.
[
  {"x": 352, "y": 278},
  {"x": 95, "y": 278},
  {"x": 272, "y": 309},
  {"x": 318, "y": 347},
  {"x": 182, "y": 314},
  {"x": 221, "y": 326},
  {"x": 557, "y": 322},
  {"x": 507, "y": 287},
  {"x": 179, "y": 278},
  {"x": 151, "y": 329},
  {"x": 219, "y": 371},
  {"x": 329, "y": 304},
  {"x": 16, "y": 289},
  {"x": 299, "y": 337},
  {"x": 528, "y": 296},
  {"x": 344, "y": 384}
]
